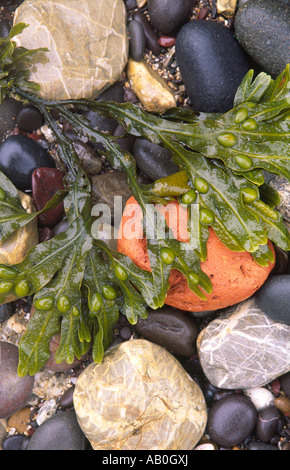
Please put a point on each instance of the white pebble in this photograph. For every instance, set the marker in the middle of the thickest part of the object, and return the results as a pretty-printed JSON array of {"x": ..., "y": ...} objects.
[
  {"x": 260, "y": 396},
  {"x": 207, "y": 446}
]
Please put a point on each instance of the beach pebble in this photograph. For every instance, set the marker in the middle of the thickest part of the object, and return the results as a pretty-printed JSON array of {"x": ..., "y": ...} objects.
[
  {"x": 6, "y": 310},
  {"x": 139, "y": 398},
  {"x": 151, "y": 89},
  {"x": 137, "y": 40},
  {"x": 267, "y": 423},
  {"x": 285, "y": 384},
  {"x": 59, "y": 432},
  {"x": 246, "y": 332},
  {"x": 262, "y": 28},
  {"x": 170, "y": 328},
  {"x": 14, "y": 390},
  {"x": 260, "y": 396},
  {"x": 256, "y": 445},
  {"x": 29, "y": 119},
  {"x": 168, "y": 15},
  {"x": 274, "y": 298},
  {"x": 13, "y": 442},
  {"x": 45, "y": 183},
  {"x": 231, "y": 420},
  {"x": 151, "y": 37},
  {"x": 212, "y": 65},
  {"x": 19, "y": 157}
]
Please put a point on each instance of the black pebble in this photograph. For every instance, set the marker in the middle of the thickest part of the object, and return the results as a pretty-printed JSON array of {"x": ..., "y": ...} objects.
[
  {"x": 212, "y": 65},
  {"x": 168, "y": 15},
  {"x": 137, "y": 40},
  {"x": 273, "y": 298},
  {"x": 29, "y": 119},
  {"x": 13, "y": 442},
  {"x": 267, "y": 423},
  {"x": 19, "y": 157},
  {"x": 151, "y": 37},
  {"x": 285, "y": 384},
  {"x": 260, "y": 446},
  {"x": 231, "y": 420},
  {"x": 154, "y": 160}
]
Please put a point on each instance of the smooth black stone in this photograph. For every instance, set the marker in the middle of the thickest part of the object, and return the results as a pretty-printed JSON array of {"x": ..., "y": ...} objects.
[
  {"x": 285, "y": 384},
  {"x": 66, "y": 400},
  {"x": 154, "y": 160},
  {"x": 268, "y": 419},
  {"x": 262, "y": 28},
  {"x": 212, "y": 65},
  {"x": 168, "y": 15},
  {"x": 170, "y": 328},
  {"x": 8, "y": 113},
  {"x": 273, "y": 298},
  {"x": 231, "y": 420},
  {"x": 13, "y": 442},
  {"x": 151, "y": 37},
  {"x": 137, "y": 40},
  {"x": 19, "y": 157},
  {"x": 130, "y": 4},
  {"x": 260, "y": 446},
  {"x": 60, "y": 432},
  {"x": 6, "y": 310},
  {"x": 29, "y": 119}
]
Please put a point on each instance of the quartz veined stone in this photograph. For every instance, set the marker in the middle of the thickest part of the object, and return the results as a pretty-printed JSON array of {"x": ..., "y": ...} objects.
[
  {"x": 87, "y": 42},
  {"x": 244, "y": 348},
  {"x": 139, "y": 398}
]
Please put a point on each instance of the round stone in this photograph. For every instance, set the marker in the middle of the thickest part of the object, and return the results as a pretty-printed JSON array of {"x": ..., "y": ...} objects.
[
  {"x": 19, "y": 157},
  {"x": 231, "y": 420},
  {"x": 87, "y": 42},
  {"x": 274, "y": 298},
  {"x": 14, "y": 390},
  {"x": 139, "y": 398},
  {"x": 60, "y": 432}
]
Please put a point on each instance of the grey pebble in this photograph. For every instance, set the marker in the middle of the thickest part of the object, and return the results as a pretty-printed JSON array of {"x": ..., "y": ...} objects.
[
  {"x": 137, "y": 40},
  {"x": 154, "y": 160}
]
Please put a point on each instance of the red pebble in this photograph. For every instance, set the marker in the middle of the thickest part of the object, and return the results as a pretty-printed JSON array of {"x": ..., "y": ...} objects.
[
  {"x": 202, "y": 14},
  {"x": 165, "y": 41},
  {"x": 45, "y": 183}
]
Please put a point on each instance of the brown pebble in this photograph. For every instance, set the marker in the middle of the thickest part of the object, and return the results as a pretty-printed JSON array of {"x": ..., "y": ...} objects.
[
  {"x": 202, "y": 14},
  {"x": 283, "y": 404},
  {"x": 20, "y": 420},
  {"x": 165, "y": 41}
]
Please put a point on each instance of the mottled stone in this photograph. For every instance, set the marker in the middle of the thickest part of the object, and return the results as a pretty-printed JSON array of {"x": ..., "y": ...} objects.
[
  {"x": 87, "y": 42},
  {"x": 282, "y": 186},
  {"x": 244, "y": 348},
  {"x": 151, "y": 89},
  {"x": 139, "y": 398},
  {"x": 20, "y": 420},
  {"x": 226, "y": 8}
]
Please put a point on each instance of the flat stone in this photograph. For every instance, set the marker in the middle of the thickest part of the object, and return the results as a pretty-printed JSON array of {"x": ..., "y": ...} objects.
[
  {"x": 87, "y": 42},
  {"x": 212, "y": 65},
  {"x": 151, "y": 89},
  {"x": 14, "y": 390},
  {"x": 262, "y": 28},
  {"x": 45, "y": 183},
  {"x": 139, "y": 398},
  {"x": 244, "y": 348},
  {"x": 154, "y": 160}
]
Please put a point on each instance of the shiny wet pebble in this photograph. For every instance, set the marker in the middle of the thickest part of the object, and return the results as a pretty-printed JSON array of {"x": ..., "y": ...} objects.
[
  {"x": 168, "y": 15},
  {"x": 231, "y": 420},
  {"x": 137, "y": 40},
  {"x": 29, "y": 119},
  {"x": 273, "y": 298}
]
